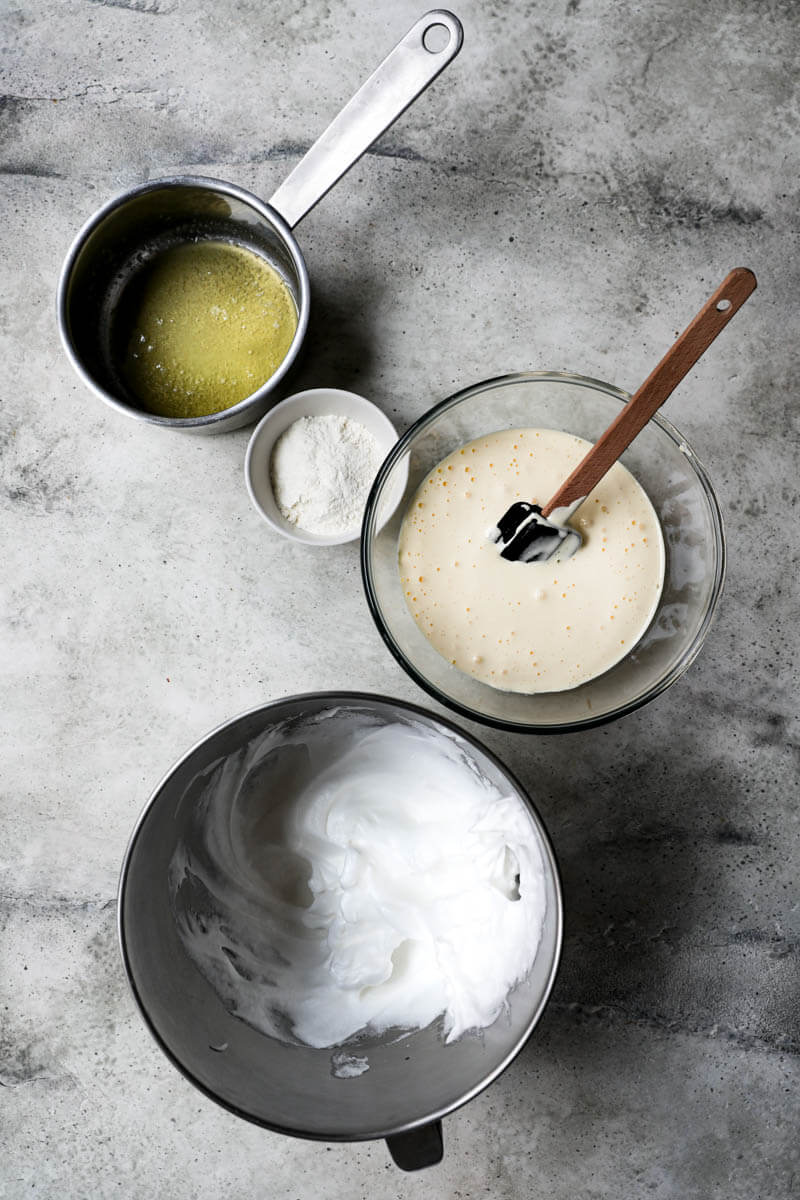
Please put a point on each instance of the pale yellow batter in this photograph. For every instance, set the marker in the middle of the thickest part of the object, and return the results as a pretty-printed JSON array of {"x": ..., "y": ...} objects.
[{"x": 529, "y": 627}]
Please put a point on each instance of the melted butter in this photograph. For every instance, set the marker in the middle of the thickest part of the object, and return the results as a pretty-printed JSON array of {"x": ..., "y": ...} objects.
[{"x": 205, "y": 325}]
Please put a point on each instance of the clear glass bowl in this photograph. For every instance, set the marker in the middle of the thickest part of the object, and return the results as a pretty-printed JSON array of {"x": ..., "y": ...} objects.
[{"x": 673, "y": 478}]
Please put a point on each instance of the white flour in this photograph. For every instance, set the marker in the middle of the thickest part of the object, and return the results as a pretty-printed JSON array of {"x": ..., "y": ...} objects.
[{"x": 322, "y": 469}]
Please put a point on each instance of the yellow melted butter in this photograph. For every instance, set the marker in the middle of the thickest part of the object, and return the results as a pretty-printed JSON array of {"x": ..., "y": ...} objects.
[{"x": 208, "y": 322}]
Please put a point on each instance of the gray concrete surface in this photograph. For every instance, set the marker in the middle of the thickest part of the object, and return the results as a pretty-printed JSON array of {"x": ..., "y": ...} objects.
[{"x": 564, "y": 196}]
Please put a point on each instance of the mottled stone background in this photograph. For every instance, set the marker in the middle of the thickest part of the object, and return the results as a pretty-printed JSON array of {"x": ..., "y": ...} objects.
[{"x": 565, "y": 195}]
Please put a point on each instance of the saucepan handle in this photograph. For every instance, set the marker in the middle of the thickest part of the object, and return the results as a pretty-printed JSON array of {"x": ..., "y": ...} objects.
[
  {"x": 417, "y": 1149},
  {"x": 416, "y": 60}
]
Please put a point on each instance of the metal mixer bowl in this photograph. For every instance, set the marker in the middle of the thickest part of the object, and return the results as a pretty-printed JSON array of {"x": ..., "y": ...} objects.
[{"x": 290, "y": 1088}]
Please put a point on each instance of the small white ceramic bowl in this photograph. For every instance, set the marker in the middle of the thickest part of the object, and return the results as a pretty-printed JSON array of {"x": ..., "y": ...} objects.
[{"x": 316, "y": 402}]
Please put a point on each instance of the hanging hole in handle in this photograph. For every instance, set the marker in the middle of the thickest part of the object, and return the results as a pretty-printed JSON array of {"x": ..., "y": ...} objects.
[
  {"x": 723, "y": 305},
  {"x": 436, "y": 38}
]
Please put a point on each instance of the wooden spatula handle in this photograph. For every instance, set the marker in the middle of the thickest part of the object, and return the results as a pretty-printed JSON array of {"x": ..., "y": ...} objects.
[{"x": 661, "y": 383}]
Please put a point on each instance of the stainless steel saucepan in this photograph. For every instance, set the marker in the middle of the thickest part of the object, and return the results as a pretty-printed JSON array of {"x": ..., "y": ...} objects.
[{"x": 128, "y": 232}]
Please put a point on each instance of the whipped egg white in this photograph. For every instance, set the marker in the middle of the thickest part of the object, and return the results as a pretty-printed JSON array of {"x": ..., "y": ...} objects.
[{"x": 343, "y": 876}]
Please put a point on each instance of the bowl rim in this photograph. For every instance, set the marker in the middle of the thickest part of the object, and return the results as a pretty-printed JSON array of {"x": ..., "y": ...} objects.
[
  {"x": 297, "y": 400},
  {"x": 594, "y": 720},
  {"x": 550, "y": 862}
]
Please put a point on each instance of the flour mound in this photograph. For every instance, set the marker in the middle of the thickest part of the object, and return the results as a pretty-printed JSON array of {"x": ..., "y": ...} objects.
[{"x": 321, "y": 470}]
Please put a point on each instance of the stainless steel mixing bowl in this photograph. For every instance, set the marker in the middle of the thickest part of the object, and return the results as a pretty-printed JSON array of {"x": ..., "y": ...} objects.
[{"x": 411, "y": 1083}]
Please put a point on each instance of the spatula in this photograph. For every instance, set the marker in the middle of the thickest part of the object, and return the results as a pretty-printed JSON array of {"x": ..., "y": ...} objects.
[{"x": 528, "y": 533}]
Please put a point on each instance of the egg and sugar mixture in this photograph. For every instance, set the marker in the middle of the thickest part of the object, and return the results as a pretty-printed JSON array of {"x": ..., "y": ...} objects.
[{"x": 529, "y": 627}]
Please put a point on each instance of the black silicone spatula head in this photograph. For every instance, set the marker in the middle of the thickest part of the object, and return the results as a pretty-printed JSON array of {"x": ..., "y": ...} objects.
[{"x": 524, "y": 535}]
